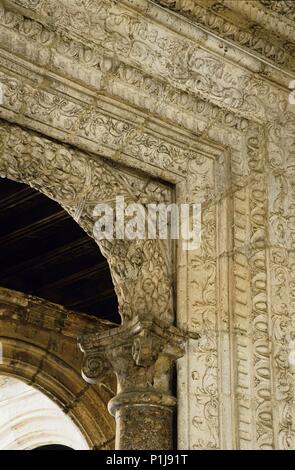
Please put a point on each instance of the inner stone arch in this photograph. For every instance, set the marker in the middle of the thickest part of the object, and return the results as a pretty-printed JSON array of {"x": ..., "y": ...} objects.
[
  {"x": 29, "y": 419},
  {"x": 38, "y": 345}
]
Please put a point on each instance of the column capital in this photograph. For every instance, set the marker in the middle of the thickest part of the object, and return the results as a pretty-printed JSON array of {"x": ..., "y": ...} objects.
[{"x": 139, "y": 352}]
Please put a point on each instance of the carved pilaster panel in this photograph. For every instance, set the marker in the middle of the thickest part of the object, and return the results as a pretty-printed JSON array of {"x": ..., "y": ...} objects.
[
  {"x": 281, "y": 182},
  {"x": 261, "y": 318},
  {"x": 198, "y": 312}
]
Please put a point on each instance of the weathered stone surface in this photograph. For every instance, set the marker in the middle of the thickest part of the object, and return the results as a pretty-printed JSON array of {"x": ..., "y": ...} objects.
[
  {"x": 39, "y": 346},
  {"x": 203, "y": 105},
  {"x": 144, "y": 427},
  {"x": 141, "y": 354}
]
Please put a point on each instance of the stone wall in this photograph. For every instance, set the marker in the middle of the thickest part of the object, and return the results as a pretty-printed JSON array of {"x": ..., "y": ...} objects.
[{"x": 196, "y": 94}]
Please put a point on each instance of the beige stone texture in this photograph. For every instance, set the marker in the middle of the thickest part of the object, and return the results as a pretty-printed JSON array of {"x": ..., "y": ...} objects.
[
  {"x": 170, "y": 100},
  {"x": 39, "y": 347}
]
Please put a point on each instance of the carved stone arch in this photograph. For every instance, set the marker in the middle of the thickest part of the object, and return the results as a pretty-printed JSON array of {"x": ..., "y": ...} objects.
[
  {"x": 90, "y": 414},
  {"x": 38, "y": 346},
  {"x": 78, "y": 182}
]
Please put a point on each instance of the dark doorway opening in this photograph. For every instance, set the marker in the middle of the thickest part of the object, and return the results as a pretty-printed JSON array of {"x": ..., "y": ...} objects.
[{"x": 44, "y": 252}]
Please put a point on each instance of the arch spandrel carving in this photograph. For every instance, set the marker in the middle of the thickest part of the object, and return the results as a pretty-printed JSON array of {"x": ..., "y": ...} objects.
[{"x": 140, "y": 269}]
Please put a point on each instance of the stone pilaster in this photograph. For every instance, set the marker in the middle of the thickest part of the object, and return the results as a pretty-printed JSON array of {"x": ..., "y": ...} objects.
[{"x": 141, "y": 353}]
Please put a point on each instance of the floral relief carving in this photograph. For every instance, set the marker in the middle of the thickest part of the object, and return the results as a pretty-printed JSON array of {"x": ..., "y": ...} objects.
[
  {"x": 283, "y": 7},
  {"x": 281, "y": 227},
  {"x": 129, "y": 36},
  {"x": 259, "y": 99},
  {"x": 128, "y": 83},
  {"x": 78, "y": 183},
  {"x": 90, "y": 123},
  {"x": 250, "y": 36}
]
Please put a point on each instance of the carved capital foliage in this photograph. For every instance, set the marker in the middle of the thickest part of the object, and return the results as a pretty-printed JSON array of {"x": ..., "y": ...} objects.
[
  {"x": 140, "y": 352},
  {"x": 79, "y": 182}
]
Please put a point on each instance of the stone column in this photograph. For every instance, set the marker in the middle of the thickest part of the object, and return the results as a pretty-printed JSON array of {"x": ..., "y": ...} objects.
[{"x": 141, "y": 353}]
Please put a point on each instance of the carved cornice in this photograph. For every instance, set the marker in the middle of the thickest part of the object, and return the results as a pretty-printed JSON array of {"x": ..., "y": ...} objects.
[
  {"x": 233, "y": 20},
  {"x": 275, "y": 16},
  {"x": 116, "y": 75},
  {"x": 226, "y": 19}
]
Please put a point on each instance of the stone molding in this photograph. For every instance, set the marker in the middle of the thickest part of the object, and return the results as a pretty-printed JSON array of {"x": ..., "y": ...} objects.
[
  {"x": 253, "y": 32},
  {"x": 188, "y": 57},
  {"x": 214, "y": 121},
  {"x": 20, "y": 308}
]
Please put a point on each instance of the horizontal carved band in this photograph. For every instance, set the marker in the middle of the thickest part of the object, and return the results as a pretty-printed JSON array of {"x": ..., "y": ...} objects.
[{"x": 144, "y": 398}]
